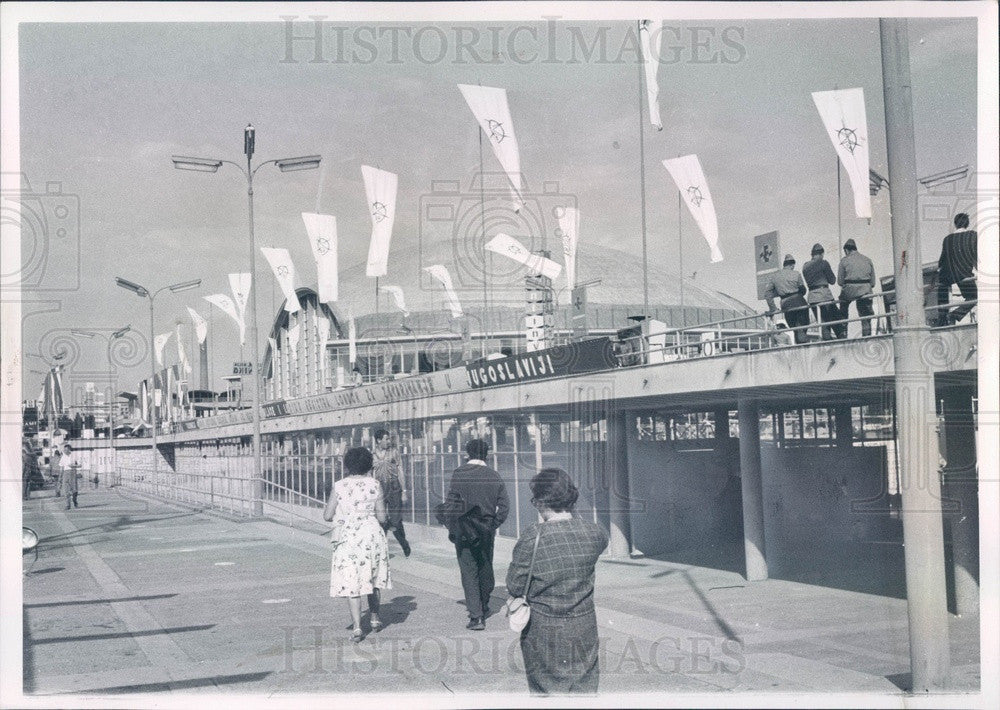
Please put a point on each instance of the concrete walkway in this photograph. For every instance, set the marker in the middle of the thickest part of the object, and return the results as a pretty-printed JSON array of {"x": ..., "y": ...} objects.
[{"x": 131, "y": 595}]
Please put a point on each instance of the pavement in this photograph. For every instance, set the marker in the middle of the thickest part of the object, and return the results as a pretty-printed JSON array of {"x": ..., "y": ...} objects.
[{"x": 132, "y": 595}]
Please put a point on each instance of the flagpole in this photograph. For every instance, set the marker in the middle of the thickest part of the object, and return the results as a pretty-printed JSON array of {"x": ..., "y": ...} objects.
[
  {"x": 680, "y": 257},
  {"x": 642, "y": 184},
  {"x": 840, "y": 236},
  {"x": 482, "y": 220}
]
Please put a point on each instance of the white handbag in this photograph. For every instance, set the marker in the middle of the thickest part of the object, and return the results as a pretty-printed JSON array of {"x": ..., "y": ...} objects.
[{"x": 518, "y": 609}]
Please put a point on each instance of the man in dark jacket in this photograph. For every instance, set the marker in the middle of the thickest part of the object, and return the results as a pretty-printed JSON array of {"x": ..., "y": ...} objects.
[
  {"x": 476, "y": 505},
  {"x": 959, "y": 255}
]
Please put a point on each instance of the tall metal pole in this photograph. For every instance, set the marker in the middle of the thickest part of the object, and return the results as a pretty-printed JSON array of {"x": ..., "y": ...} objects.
[
  {"x": 840, "y": 233},
  {"x": 680, "y": 256},
  {"x": 257, "y": 490},
  {"x": 111, "y": 399},
  {"x": 482, "y": 226},
  {"x": 152, "y": 393},
  {"x": 642, "y": 186},
  {"x": 920, "y": 478}
]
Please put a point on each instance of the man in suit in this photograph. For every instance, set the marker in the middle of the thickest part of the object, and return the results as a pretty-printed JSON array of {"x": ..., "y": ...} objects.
[
  {"x": 959, "y": 256},
  {"x": 476, "y": 505}
]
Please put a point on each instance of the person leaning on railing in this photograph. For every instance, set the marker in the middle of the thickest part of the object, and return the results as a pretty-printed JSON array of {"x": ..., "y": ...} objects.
[
  {"x": 787, "y": 284},
  {"x": 959, "y": 255},
  {"x": 819, "y": 278},
  {"x": 856, "y": 276}
]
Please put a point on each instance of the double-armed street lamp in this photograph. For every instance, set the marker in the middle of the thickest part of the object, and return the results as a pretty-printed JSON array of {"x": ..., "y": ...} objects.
[
  {"x": 112, "y": 396},
  {"x": 285, "y": 165},
  {"x": 144, "y": 292}
]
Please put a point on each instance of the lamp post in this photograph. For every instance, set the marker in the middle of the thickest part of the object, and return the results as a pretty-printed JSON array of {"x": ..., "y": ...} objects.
[
  {"x": 108, "y": 339},
  {"x": 144, "y": 292},
  {"x": 211, "y": 165}
]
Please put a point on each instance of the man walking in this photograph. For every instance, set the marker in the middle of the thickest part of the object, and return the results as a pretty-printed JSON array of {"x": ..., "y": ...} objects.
[
  {"x": 819, "y": 278},
  {"x": 856, "y": 276},
  {"x": 476, "y": 505},
  {"x": 67, "y": 481},
  {"x": 787, "y": 285},
  {"x": 389, "y": 473},
  {"x": 959, "y": 256}
]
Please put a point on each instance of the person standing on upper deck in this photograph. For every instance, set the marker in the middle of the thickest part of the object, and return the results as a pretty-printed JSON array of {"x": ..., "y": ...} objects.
[
  {"x": 959, "y": 256},
  {"x": 787, "y": 285},
  {"x": 819, "y": 278},
  {"x": 856, "y": 276},
  {"x": 389, "y": 473}
]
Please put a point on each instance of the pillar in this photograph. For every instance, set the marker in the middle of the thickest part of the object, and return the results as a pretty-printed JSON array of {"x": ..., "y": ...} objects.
[
  {"x": 843, "y": 426},
  {"x": 618, "y": 494},
  {"x": 958, "y": 438},
  {"x": 752, "y": 485},
  {"x": 203, "y": 365}
]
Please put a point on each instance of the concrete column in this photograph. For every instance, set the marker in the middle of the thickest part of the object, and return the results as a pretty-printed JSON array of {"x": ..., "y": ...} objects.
[
  {"x": 844, "y": 427},
  {"x": 721, "y": 417},
  {"x": 753, "y": 491},
  {"x": 958, "y": 438},
  {"x": 618, "y": 495},
  {"x": 203, "y": 365}
]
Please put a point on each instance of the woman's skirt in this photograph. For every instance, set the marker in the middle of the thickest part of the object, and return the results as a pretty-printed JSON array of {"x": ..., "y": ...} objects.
[
  {"x": 561, "y": 653},
  {"x": 360, "y": 563}
]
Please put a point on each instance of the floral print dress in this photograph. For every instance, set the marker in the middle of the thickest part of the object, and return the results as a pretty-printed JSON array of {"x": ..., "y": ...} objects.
[{"x": 360, "y": 552}]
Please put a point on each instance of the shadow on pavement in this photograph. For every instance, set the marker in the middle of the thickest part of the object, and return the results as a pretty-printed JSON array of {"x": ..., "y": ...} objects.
[
  {"x": 397, "y": 610},
  {"x": 123, "y": 635},
  {"x": 180, "y": 684},
  {"x": 76, "y": 602}
]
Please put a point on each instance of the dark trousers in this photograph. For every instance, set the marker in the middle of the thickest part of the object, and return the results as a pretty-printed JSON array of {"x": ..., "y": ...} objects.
[
  {"x": 68, "y": 497},
  {"x": 827, "y": 313},
  {"x": 865, "y": 308},
  {"x": 399, "y": 533},
  {"x": 476, "y": 566},
  {"x": 969, "y": 292},
  {"x": 796, "y": 318}
]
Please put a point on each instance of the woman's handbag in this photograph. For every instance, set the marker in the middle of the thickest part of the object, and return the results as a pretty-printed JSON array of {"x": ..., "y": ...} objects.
[{"x": 518, "y": 609}]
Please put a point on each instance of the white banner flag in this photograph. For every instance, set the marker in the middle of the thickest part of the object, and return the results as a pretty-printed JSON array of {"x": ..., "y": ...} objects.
[
  {"x": 322, "y": 232},
  {"x": 239, "y": 284},
  {"x": 489, "y": 106},
  {"x": 397, "y": 296},
  {"x": 690, "y": 180},
  {"x": 159, "y": 341},
  {"x": 380, "y": 190},
  {"x": 352, "y": 341},
  {"x": 226, "y": 305},
  {"x": 650, "y": 35},
  {"x": 284, "y": 271},
  {"x": 200, "y": 325},
  {"x": 537, "y": 264},
  {"x": 440, "y": 272},
  {"x": 293, "y": 338},
  {"x": 569, "y": 226},
  {"x": 182, "y": 357},
  {"x": 843, "y": 114}
]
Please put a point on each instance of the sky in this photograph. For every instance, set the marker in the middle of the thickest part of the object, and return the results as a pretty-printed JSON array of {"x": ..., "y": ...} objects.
[{"x": 104, "y": 106}]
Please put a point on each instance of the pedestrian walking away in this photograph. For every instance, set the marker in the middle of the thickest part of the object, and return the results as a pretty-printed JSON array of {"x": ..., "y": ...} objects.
[
  {"x": 389, "y": 473},
  {"x": 560, "y": 642},
  {"x": 475, "y": 507},
  {"x": 856, "y": 276},
  {"x": 957, "y": 265},
  {"x": 787, "y": 284},
  {"x": 69, "y": 472},
  {"x": 819, "y": 278},
  {"x": 31, "y": 476},
  {"x": 360, "y": 562}
]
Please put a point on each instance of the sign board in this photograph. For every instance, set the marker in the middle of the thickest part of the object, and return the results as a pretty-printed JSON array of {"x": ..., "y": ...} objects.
[
  {"x": 242, "y": 368},
  {"x": 575, "y": 358},
  {"x": 767, "y": 258},
  {"x": 578, "y": 311}
]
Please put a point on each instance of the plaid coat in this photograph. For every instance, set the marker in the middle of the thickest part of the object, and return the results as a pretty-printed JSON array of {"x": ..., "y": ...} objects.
[{"x": 563, "y": 578}]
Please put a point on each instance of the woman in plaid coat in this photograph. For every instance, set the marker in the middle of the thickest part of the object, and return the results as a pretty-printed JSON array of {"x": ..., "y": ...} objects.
[{"x": 560, "y": 643}]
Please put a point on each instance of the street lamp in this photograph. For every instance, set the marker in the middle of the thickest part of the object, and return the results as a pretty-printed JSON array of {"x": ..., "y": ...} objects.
[
  {"x": 144, "y": 292},
  {"x": 285, "y": 165},
  {"x": 108, "y": 339}
]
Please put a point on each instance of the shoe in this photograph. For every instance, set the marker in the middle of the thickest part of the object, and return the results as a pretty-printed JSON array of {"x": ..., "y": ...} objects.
[
  {"x": 357, "y": 635},
  {"x": 476, "y": 624},
  {"x": 376, "y": 625},
  {"x": 406, "y": 548}
]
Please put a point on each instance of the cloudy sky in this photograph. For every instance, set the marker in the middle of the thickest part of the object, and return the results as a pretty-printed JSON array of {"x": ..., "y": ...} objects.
[{"x": 103, "y": 106}]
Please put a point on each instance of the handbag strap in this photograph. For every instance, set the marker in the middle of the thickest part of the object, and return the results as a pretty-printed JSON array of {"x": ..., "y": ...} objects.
[{"x": 531, "y": 565}]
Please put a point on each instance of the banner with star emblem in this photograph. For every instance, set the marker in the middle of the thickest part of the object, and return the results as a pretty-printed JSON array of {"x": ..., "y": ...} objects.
[
  {"x": 767, "y": 257},
  {"x": 649, "y": 40},
  {"x": 508, "y": 246},
  {"x": 569, "y": 226},
  {"x": 440, "y": 272},
  {"x": 200, "y": 325},
  {"x": 380, "y": 189},
  {"x": 284, "y": 271},
  {"x": 322, "y": 232},
  {"x": 843, "y": 114},
  {"x": 690, "y": 180},
  {"x": 159, "y": 341},
  {"x": 397, "y": 296},
  {"x": 226, "y": 305},
  {"x": 239, "y": 284},
  {"x": 489, "y": 106}
]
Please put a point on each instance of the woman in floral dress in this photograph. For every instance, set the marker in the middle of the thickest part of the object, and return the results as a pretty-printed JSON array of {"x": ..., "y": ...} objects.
[{"x": 360, "y": 553}]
